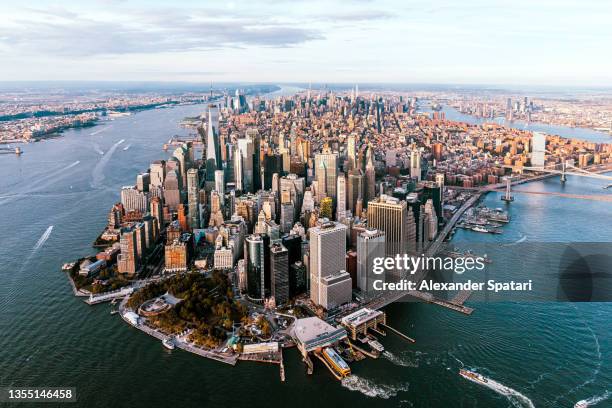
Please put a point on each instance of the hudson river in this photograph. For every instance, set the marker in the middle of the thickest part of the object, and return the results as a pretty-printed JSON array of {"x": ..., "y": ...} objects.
[{"x": 54, "y": 200}]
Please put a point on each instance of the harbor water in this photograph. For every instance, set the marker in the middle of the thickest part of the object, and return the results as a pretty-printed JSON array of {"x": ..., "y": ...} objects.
[{"x": 54, "y": 200}]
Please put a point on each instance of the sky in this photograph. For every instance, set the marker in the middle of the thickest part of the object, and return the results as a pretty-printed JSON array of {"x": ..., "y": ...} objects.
[{"x": 531, "y": 42}]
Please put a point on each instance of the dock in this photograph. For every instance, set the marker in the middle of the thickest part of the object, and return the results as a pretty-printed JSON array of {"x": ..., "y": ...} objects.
[
  {"x": 455, "y": 304},
  {"x": 399, "y": 333},
  {"x": 107, "y": 297}
]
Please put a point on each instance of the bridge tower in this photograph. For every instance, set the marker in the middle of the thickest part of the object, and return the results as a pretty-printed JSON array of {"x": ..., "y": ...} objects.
[
  {"x": 507, "y": 197},
  {"x": 563, "y": 167}
]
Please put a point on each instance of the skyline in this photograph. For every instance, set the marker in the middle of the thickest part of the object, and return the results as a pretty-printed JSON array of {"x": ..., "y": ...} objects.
[{"x": 516, "y": 43}]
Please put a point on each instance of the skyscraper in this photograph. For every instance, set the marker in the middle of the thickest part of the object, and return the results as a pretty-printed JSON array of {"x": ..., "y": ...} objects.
[
  {"x": 134, "y": 200},
  {"x": 326, "y": 174},
  {"x": 172, "y": 194},
  {"x": 220, "y": 185},
  {"x": 351, "y": 151},
  {"x": 244, "y": 165},
  {"x": 254, "y": 256},
  {"x": 213, "y": 148},
  {"x": 370, "y": 245},
  {"x": 370, "y": 176},
  {"x": 341, "y": 192},
  {"x": 193, "y": 198},
  {"x": 415, "y": 164},
  {"x": 327, "y": 255},
  {"x": 355, "y": 190},
  {"x": 279, "y": 273},
  {"x": 538, "y": 142},
  {"x": 389, "y": 214}
]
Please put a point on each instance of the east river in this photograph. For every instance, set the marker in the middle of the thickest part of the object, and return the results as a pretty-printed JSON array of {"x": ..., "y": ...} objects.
[{"x": 552, "y": 354}]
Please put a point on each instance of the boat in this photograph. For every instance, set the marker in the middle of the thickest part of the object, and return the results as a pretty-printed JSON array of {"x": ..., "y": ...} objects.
[
  {"x": 338, "y": 364},
  {"x": 479, "y": 229},
  {"x": 581, "y": 404},
  {"x": 473, "y": 376},
  {"x": 68, "y": 266},
  {"x": 376, "y": 346},
  {"x": 168, "y": 343}
]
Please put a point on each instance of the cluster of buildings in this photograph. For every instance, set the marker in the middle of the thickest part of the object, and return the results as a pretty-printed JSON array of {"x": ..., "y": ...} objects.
[{"x": 298, "y": 195}]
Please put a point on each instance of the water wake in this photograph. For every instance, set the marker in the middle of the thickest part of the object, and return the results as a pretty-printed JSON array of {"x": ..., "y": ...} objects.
[
  {"x": 43, "y": 238},
  {"x": 516, "y": 398},
  {"x": 127, "y": 147},
  {"x": 372, "y": 389},
  {"x": 101, "y": 130},
  {"x": 98, "y": 171},
  {"x": 97, "y": 149},
  {"x": 589, "y": 402},
  {"x": 402, "y": 360}
]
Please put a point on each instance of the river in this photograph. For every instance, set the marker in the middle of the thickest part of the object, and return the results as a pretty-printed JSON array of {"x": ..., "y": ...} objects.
[{"x": 552, "y": 353}]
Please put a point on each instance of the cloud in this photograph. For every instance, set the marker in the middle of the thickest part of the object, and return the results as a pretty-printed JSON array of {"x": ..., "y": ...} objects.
[{"x": 61, "y": 33}]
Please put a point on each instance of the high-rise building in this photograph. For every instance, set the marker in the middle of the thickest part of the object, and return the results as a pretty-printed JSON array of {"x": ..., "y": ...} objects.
[
  {"x": 431, "y": 220},
  {"x": 351, "y": 151},
  {"x": 220, "y": 185},
  {"x": 142, "y": 182},
  {"x": 193, "y": 198},
  {"x": 415, "y": 164},
  {"x": 243, "y": 168},
  {"x": 156, "y": 211},
  {"x": 279, "y": 273},
  {"x": 327, "y": 255},
  {"x": 127, "y": 260},
  {"x": 370, "y": 176},
  {"x": 213, "y": 147},
  {"x": 336, "y": 290},
  {"x": 538, "y": 142},
  {"x": 355, "y": 190},
  {"x": 172, "y": 192},
  {"x": 158, "y": 173},
  {"x": 134, "y": 200},
  {"x": 341, "y": 192},
  {"x": 254, "y": 257},
  {"x": 326, "y": 174},
  {"x": 390, "y": 215},
  {"x": 253, "y": 135},
  {"x": 370, "y": 245}
]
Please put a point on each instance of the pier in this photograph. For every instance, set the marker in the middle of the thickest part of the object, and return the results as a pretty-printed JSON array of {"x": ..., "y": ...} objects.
[
  {"x": 455, "y": 304},
  {"x": 399, "y": 333}
]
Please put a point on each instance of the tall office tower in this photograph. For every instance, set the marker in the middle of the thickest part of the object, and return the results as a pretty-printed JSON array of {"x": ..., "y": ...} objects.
[
  {"x": 220, "y": 185},
  {"x": 440, "y": 180},
  {"x": 275, "y": 186},
  {"x": 355, "y": 189},
  {"x": 327, "y": 255},
  {"x": 370, "y": 245},
  {"x": 158, "y": 173},
  {"x": 411, "y": 230},
  {"x": 193, "y": 198},
  {"x": 308, "y": 202},
  {"x": 244, "y": 165},
  {"x": 182, "y": 155},
  {"x": 253, "y": 135},
  {"x": 390, "y": 215},
  {"x": 433, "y": 191},
  {"x": 254, "y": 257},
  {"x": 538, "y": 155},
  {"x": 341, "y": 191},
  {"x": 415, "y": 164},
  {"x": 326, "y": 173},
  {"x": 134, "y": 200},
  {"x": 172, "y": 193},
  {"x": 431, "y": 220},
  {"x": 296, "y": 187},
  {"x": 127, "y": 260},
  {"x": 279, "y": 273},
  {"x": 230, "y": 163},
  {"x": 509, "y": 109},
  {"x": 150, "y": 230},
  {"x": 370, "y": 175},
  {"x": 213, "y": 148},
  {"x": 141, "y": 244},
  {"x": 351, "y": 151},
  {"x": 142, "y": 182},
  {"x": 157, "y": 212},
  {"x": 287, "y": 217}
]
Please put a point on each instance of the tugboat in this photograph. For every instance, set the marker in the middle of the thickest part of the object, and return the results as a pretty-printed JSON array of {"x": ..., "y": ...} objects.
[
  {"x": 168, "y": 343},
  {"x": 473, "y": 376}
]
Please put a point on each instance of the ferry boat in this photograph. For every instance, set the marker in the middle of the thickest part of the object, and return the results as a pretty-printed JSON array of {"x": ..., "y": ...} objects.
[
  {"x": 168, "y": 343},
  {"x": 473, "y": 376},
  {"x": 479, "y": 229},
  {"x": 336, "y": 361},
  {"x": 581, "y": 404},
  {"x": 377, "y": 346}
]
